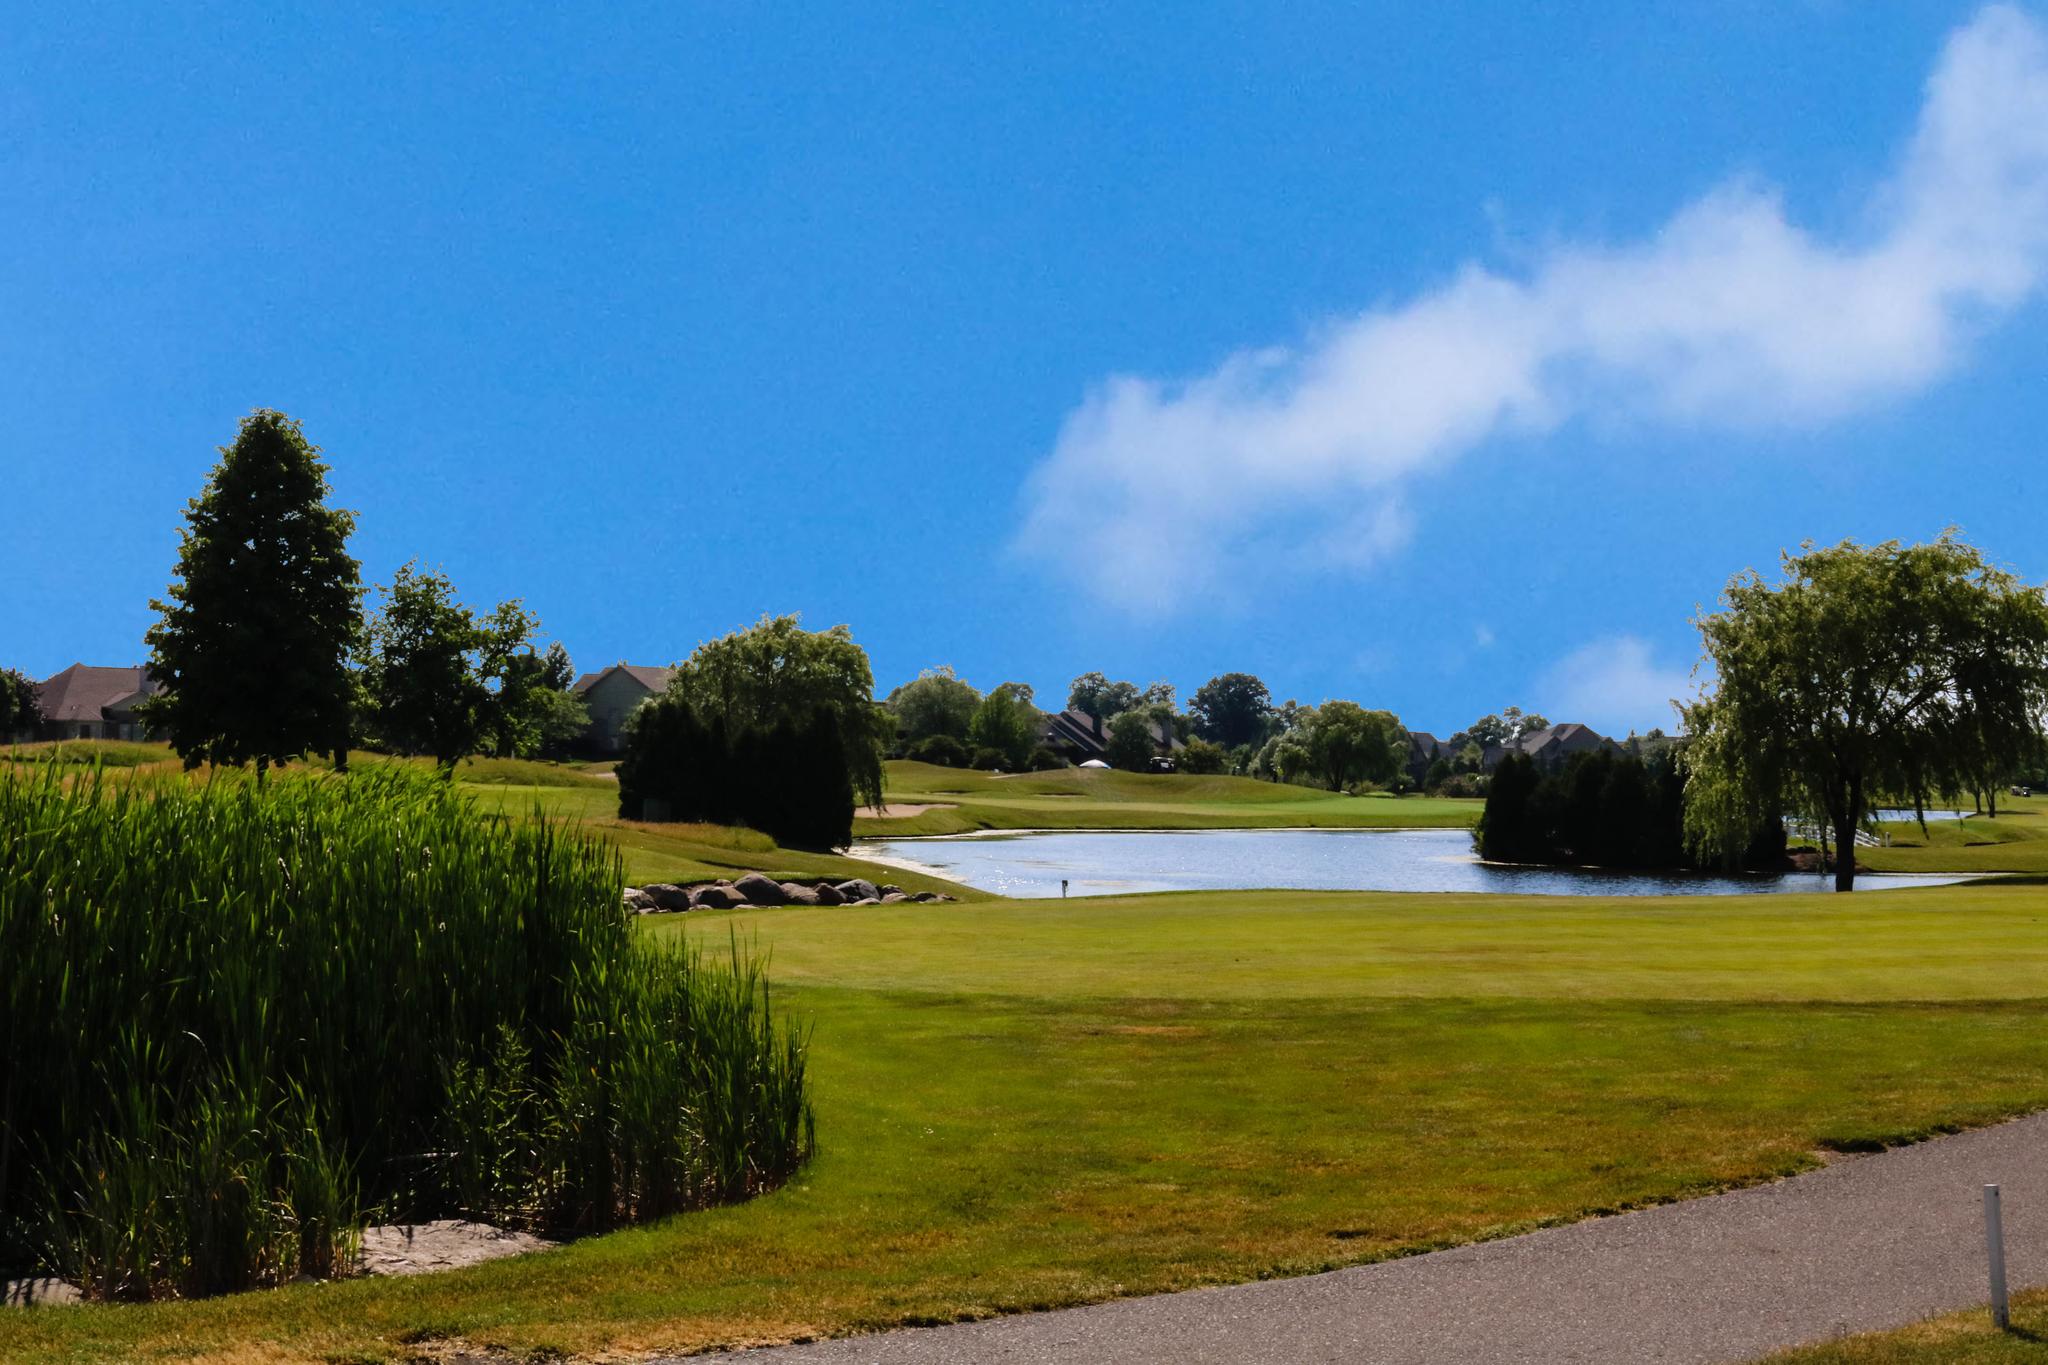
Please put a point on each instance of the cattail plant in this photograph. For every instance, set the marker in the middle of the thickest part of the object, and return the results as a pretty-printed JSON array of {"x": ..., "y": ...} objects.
[{"x": 243, "y": 1019}]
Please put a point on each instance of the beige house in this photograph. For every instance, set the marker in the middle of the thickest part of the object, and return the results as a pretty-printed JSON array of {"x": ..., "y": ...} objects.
[{"x": 614, "y": 693}]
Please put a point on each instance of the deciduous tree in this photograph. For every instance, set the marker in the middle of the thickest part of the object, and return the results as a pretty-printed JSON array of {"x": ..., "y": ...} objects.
[
  {"x": 935, "y": 702},
  {"x": 422, "y": 674},
  {"x": 1131, "y": 744},
  {"x": 21, "y": 708},
  {"x": 1095, "y": 695},
  {"x": 1232, "y": 709},
  {"x": 1007, "y": 724}
]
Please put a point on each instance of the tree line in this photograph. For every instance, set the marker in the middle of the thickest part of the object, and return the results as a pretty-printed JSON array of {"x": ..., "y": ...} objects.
[
  {"x": 1607, "y": 808},
  {"x": 262, "y": 652}
]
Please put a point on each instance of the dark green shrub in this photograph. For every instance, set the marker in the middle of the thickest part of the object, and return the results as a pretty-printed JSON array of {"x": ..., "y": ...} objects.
[
  {"x": 788, "y": 779},
  {"x": 1201, "y": 758},
  {"x": 944, "y": 750},
  {"x": 344, "y": 992},
  {"x": 988, "y": 760},
  {"x": 1044, "y": 760}
]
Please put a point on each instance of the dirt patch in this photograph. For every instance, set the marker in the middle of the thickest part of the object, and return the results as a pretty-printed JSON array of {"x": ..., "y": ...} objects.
[
  {"x": 444, "y": 1244},
  {"x": 388, "y": 1249},
  {"x": 901, "y": 810}
]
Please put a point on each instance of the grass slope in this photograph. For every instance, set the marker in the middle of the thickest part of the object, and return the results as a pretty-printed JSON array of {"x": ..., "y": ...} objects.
[
  {"x": 1077, "y": 798},
  {"x": 1024, "y": 1104}
]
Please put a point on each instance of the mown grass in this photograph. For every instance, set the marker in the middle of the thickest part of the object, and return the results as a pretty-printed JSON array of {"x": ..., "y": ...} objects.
[
  {"x": 88, "y": 753},
  {"x": 1024, "y": 1104},
  {"x": 1965, "y": 1338},
  {"x": 1075, "y": 798}
]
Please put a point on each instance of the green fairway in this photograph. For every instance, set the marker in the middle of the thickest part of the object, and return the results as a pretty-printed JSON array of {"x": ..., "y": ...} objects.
[
  {"x": 1028, "y": 1104},
  {"x": 962, "y": 800}
]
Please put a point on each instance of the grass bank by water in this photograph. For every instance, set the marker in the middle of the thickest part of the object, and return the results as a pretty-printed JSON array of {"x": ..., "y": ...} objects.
[{"x": 1075, "y": 798}]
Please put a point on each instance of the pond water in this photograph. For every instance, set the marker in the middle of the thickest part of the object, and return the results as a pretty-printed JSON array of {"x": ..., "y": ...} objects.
[{"x": 1103, "y": 862}]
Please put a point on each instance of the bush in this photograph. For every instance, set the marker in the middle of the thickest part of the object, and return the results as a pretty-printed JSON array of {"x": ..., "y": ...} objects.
[
  {"x": 988, "y": 760},
  {"x": 944, "y": 750},
  {"x": 1201, "y": 758},
  {"x": 1044, "y": 760},
  {"x": 789, "y": 779},
  {"x": 338, "y": 993}
]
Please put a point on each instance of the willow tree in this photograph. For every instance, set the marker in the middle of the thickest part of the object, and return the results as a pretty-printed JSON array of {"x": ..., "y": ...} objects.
[
  {"x": 1869, "y": 673},
  {"x": 775, "y": 672}
]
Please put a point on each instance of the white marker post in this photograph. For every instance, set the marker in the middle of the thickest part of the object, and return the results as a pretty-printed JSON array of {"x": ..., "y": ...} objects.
[{"x": 1994, "y": 1246}]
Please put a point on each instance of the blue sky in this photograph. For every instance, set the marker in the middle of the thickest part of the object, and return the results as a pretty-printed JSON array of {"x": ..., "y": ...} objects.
[{"x": 1441, "y": 357}]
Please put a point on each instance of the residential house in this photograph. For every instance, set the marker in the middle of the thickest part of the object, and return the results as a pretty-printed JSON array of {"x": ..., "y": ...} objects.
[
  {"x": 88, "y": 702},
  {"x": 612, "y": 694},
  {"x": 1551, "y": 746},
  {"x": 1077, "y": 737}
]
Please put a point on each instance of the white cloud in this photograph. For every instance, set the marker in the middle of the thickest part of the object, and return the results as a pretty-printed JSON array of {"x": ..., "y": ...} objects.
[
  {"x": 1729, "y": 314},
  {"x": 1614, "y": 685}
]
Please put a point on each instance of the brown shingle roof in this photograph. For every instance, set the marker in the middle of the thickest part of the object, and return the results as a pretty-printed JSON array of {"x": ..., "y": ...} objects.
[
  {"x": 81, "y": 692},
  {"x": 649, "y": 676}
]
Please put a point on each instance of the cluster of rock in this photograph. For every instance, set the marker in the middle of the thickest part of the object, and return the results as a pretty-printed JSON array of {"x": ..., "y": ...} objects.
[{"x": 756, "y": 890}]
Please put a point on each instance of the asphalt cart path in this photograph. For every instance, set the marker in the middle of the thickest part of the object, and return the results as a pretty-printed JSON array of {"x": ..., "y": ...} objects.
[{"x": 1866, "y": 1243}]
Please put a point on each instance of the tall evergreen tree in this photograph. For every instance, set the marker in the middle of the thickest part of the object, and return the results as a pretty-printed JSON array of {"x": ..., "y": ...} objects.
[{"x": 251, "y": 651}]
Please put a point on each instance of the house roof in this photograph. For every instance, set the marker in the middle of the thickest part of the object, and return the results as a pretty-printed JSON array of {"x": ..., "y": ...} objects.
[
  {"x": 1082, "y": 732},
  {"x": 650, "y": 676},
  {"x": 82, "y": 692},
  {"x": 1570, "y": 735}
]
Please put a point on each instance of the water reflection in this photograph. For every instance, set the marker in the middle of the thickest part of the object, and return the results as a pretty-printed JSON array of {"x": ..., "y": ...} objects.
[{"x": 1101, "y": 863}]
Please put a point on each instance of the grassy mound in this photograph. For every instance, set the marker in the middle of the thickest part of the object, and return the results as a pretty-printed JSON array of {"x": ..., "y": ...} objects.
[{"x": 240, "y": 1017}]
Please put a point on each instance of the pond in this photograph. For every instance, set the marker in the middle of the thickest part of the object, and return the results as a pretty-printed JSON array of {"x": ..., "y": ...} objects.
[{"x": 1102, "y": 862}]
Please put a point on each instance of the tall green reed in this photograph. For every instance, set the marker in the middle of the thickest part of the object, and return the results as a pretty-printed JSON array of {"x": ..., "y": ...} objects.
[{"x": 239, "y": 1017}]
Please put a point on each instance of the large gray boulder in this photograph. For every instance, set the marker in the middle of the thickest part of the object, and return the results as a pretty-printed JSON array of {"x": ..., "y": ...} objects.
[
  {"x": 829, "y": 894},
  {"x": 638, "y": 901},
  {"x": 859, "y": 889},
  {"x": 894, "y": 898},
  {"x": 717, "y": 896},
  {"x": 760, "y": 890},
  {"x": 796, "y": 893},
  {"x": 668, "y": 896}
]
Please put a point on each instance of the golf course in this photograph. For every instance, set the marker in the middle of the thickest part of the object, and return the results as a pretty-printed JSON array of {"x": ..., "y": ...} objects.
[{"x": 1029, "y": 1104}]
